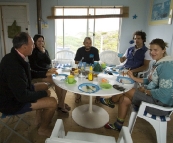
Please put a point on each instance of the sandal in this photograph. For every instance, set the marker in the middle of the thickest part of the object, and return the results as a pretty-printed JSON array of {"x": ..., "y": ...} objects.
[
  {"x": 63, "y": 110},
  {"x": 67, "y": 107},
  {"x": 97, "y": 99},
  {"x": 78, "y": 98}
]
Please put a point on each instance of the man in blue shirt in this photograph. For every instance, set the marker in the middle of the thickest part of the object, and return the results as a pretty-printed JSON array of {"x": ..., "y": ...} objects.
[{"x": 137, "y": 58}]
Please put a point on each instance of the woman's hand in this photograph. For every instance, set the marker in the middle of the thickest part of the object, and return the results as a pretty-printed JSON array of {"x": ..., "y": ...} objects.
[
  {"x": 41, "y": 48},
  {"x": 51, "y": 71},
  {"x": 142, "y": 89}
]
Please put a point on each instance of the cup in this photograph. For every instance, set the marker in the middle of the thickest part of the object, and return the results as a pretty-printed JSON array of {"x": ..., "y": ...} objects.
[
  {"x": 54, "y": 63},
  {"x": 103, "y": 65},
  {"x": 70, "y": 79},
  {"x": 95, "y": 63},
  {"x": 120, "y": 55}
]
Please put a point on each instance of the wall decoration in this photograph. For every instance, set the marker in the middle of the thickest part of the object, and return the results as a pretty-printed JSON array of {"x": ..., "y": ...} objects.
[
  {"x": 160, "y": 12},
  {"x": 135, "y": 16},
  {"x": 13, "y": 30}
]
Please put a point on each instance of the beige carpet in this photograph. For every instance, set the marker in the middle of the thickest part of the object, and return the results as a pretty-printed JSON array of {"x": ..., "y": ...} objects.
[{"x": 142, "y": 133}]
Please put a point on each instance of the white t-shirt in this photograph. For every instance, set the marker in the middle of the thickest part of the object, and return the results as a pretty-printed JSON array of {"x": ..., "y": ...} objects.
[{"x": 147, "y": 54}]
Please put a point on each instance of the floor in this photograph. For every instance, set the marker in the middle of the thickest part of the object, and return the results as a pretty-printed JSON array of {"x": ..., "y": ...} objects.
[{"x": 142, "y": 133}]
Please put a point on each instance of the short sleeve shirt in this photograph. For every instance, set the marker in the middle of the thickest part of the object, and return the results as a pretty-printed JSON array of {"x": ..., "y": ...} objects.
[{"x": 89, "y": 56}]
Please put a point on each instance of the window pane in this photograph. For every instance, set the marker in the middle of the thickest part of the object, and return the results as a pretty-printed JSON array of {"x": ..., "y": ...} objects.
[
  {"x": 74, "y": 30},
  {"x": 74, "y": 33},
  {"x": 58, "y": 35},
  {"x": 104, "y": 32}
]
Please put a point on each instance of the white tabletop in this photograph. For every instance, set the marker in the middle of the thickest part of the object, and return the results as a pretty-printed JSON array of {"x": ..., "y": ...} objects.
[
  {"x": 101, "y": 92},
  {"x": 88, "y": 115}
]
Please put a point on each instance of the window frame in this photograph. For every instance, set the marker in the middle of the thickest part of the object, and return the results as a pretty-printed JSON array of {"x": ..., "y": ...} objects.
[{"x": 124, "y": 13}]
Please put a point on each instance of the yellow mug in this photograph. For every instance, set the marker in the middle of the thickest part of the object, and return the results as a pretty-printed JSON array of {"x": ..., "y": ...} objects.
[{"x": 70, "y": 79}]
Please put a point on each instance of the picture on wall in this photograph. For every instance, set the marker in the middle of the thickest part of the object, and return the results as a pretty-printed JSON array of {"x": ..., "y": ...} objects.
[{"x": 161, "y": 12}]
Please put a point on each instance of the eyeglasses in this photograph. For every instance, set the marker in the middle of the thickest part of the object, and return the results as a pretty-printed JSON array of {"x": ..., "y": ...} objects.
[{"x": 117, "y": 87}]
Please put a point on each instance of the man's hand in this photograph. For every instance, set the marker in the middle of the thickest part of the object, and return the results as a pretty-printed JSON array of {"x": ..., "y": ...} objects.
[
  {"x": 130, "y": 74},
  {"x": 48, "y": 93},
  {"x": 51, "y": 71}
]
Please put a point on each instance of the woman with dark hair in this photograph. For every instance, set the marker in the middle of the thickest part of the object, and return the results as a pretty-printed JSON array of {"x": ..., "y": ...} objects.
[
  {"x": 40, "y": 61},
  {"x": 157, "y": 89}
]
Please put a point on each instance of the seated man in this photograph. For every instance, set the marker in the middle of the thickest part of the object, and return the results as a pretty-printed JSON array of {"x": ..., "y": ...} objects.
[
  {"x": 87, "y": 54},
  {"x": 137, "y": 58},
  {"x": 17, "y": 94}
]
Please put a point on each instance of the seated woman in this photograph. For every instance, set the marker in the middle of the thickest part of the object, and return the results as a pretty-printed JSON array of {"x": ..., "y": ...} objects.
[
  {"x": 158, "y": 87},
  {"x": 40, "y": 61}
]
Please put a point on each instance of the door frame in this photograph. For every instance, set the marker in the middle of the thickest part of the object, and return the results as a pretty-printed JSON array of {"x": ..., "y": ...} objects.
[{"x": 2, "y": 40}]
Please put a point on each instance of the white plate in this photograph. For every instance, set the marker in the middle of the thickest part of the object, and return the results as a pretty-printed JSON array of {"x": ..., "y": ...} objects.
[
  {"x": 125, "y": 80},
  {"x": 92, "y": 88}
]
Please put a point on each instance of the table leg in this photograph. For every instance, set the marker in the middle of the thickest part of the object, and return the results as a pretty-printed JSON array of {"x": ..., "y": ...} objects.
[{"x": 90, "y": 116}]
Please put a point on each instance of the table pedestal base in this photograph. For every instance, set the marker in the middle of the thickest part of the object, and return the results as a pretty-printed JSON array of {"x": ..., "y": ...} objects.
[{"x": 96, "y": 118}]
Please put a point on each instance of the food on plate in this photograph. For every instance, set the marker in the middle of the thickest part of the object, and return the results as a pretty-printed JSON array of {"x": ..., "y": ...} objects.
[
  {"x": 75, "y": 71},
  {"x": 125, "y": 81},
  {"x": 104, "y": 80}
]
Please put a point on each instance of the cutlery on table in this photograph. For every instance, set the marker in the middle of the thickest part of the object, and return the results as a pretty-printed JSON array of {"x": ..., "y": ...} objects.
[{"x": 88, "y": 87}]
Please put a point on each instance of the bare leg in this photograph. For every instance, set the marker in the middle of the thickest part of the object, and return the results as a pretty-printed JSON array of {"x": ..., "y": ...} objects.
[
  {"x": 129, "y": 94},
  {"x": 61, "y": 96},
  {"x": 123, "y": 107},
  {"x": 45, "y": 108},
  {"x": 124, "y": 101},
  {"x": 61, "y": 93},
  {"x": 48, "y": 105},
  {"x": 38, "y": 117},
  {"x": 38, "y": 87}
]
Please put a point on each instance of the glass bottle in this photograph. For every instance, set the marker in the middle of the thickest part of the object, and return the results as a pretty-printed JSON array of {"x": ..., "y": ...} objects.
[{"x": 90, "y": 75}]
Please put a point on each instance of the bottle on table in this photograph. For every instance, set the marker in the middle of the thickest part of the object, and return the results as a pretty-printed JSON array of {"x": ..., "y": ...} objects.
[{"x": 90, "y": 75}]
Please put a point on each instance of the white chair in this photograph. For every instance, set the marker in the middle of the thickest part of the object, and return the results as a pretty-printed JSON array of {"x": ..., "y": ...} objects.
[
  {"x": 159, "y": 123},
  {"x": 58, "y": 136},
  {"x": 145, "y": 73},
  {"x": 5, "y": 122},
  {"x": 64, "y": 57},
  {"x": 109, "y": 57}
]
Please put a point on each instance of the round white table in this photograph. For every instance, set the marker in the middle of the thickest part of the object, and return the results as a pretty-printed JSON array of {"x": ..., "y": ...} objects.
[{"x": 88, "y": 115}]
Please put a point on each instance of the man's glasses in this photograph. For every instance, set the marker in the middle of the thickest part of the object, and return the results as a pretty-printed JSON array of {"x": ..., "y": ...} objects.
[{"x": 117, "y": 87}]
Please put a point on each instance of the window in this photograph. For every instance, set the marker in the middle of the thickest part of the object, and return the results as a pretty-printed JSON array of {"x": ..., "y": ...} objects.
[{"x": 73, "y": 24}]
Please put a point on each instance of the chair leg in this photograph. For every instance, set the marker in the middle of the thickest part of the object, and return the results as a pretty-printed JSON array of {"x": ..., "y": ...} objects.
[
  {"x": 23, "y": 120},
  {"x": 132, "y": 121},
  {"x": 5, "y": 123},
  {"x": 160, "y": 129},
  {"x": 161, "y": 132}
]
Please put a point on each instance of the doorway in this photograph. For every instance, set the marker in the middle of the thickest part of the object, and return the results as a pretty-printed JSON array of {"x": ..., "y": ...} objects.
[{"x": 10, "y": 13}]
